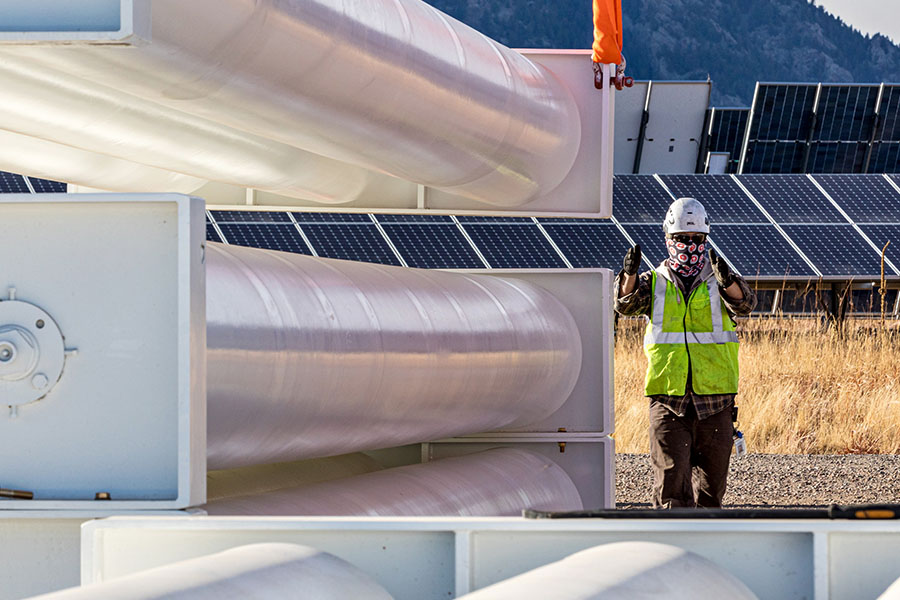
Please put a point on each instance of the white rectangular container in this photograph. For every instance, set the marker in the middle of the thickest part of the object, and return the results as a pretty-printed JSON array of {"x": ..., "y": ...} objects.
[{"x": 122, "y": 277}]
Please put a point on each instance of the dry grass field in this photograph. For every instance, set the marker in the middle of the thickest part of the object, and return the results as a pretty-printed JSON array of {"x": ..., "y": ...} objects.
[{"x": 804, "y": 388}]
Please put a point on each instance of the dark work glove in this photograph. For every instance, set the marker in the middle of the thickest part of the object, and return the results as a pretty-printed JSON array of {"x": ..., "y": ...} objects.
[
  {"x": 598, "y": 75},
  {"x": 632, "y": 261},
  {"x": 724, "y": 276}
]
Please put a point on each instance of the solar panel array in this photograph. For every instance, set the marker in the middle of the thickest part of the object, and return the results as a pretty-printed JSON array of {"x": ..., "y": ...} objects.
[
  {"x": 823, "y": 128},
  {"x": 13, "y": 183},
  {"x": 767, "y": 226}
]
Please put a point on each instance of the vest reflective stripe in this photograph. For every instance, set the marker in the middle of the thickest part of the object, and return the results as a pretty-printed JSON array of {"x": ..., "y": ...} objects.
[
  {"x": 714, "y": 353},
  {"x": 689, "y": 337}
]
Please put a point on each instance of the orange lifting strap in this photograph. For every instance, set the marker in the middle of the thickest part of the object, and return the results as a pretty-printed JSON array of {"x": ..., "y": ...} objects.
[{"x": 608, "y": 31}]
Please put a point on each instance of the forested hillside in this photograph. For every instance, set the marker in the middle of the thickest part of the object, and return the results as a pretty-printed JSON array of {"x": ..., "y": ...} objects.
[{"x": 735, "y": 42}]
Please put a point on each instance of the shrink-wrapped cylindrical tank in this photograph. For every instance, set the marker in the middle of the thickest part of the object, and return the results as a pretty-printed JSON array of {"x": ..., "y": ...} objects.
[
  {"x": 622, "y": 571},
  {"x": 498, "y": 482},
  {"x": 311, "y": 357},
  {"x": 261, "y": 571}
]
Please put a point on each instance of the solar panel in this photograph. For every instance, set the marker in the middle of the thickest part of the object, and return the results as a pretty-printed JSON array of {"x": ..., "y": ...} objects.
[
  {"x": 837, "y": 157},
  {"x": 846, "y": 113},
  {"x": 889, "y": 114},
  {"x": 350, "y": 241},
  {"x": 514, "y": 245},
  {"x": 10, "y": 183},
  {"x": 774, "y": 157},
  {"x": 46, "y": 186},
  {"x": 727, "y": 132},
  {"x": 759, "y": 251},
  {"x": 414, "y": 218},
  {"x": 724, "y": 200},
  {"x": 432, "y": 245},
  {"x": 837, "y": 250},
  {"x": 881, "y": 234},
  {"x": 589, "y": 244},
  {"x": 639, "y": 199},
  {"x": 271, "y": 236},
  {"x": 885, "y": 157},
  {"x": 493, "y": 219},
  {"x": 791, "y": 199},
  {"x": 250, "y": 216},
  {"x": 651, "y": 238},
  {"x": 866, "y": 198},
  {"x": 211, "y": 234},
  {"x": 782, "y": 111},
  {"x": 311, "y": 217}
]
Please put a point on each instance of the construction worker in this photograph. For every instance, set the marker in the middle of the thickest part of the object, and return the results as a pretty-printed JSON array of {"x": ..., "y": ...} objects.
[{"x": 692, "y": 352}]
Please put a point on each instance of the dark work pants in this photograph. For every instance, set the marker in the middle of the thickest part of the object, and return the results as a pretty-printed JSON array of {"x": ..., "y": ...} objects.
[{"x": 689, "y": 457}]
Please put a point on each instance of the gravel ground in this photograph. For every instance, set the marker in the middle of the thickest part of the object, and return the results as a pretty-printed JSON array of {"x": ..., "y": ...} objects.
[{"x": 781, "y": 480}]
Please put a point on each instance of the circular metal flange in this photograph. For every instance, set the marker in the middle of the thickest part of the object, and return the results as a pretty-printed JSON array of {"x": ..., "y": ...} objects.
[{"x": 32, "y": 353}]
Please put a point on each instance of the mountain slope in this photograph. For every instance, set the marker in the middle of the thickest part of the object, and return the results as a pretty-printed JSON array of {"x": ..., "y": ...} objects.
[{"x": 735, "y": 42}]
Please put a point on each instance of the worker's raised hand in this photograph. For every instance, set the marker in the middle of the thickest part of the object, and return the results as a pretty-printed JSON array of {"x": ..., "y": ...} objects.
[
  {"x": 632, "y": 261},
  {"x": 724, "y": 276},
  {"x": 598, "y": 75}
]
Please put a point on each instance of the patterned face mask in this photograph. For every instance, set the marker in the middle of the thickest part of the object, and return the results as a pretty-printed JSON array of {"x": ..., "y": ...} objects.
[{"x": 686, "y": 259}]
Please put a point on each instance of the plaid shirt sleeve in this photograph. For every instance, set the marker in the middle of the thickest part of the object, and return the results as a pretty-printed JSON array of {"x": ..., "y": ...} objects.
[
  {"x": 746, "y": 304},
  {"x": 639, "y": 300}
]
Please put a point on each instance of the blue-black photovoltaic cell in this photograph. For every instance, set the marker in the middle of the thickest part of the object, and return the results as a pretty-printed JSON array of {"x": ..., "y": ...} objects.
[
  {"x": 837, "y": 157},
  {"x": 493, "y": 219},
  {"x": 589, "y": 244},
  {"x": 836, "y": 250},
  {"x": 432, "y": 245},
  {"x": 885, "y": 157},
  {"x": 46, "y": 186},
  {"x": 250, "y": 216},
  {"x": 312, "y": 217},
  {"x": 846, "y": 113},
  {"x": 414, "y": 218},
  {"x": 759, "y": 251},
  {"x": 727, "y": 131},
  {"x": 774, "y": 157},
  {"x": 889, "y": 114},
  {"x": 880, "y": 235},
  {"x": 866, "y": 198},
  {"x": 271, "y": 236},
  {"x": 791, "y": 199},
  {"x": 350, "y": 241},
  {"x": 724, "y": 200},
  {"x": 639, "y": 199},
  {"x": 651, "y": 238},
  {"x": 10, "y": 183},
  {"x": 211, "y": 234},
  {"x": 558, "y": 220},
  {"x": 783, "y": 111},
  {"x": 514, "y": 245}
]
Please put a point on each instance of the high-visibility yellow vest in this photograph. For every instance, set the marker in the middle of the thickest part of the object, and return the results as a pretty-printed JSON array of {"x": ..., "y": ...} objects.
[{"x": 698, "y": 330}]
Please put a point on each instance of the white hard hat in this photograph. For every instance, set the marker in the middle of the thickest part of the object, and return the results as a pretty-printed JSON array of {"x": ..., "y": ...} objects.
[{"x": 686, "y": 215}]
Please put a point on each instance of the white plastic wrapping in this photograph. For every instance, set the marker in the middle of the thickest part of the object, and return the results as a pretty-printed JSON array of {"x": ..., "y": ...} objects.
[
  {"x": 53, "y": 105},
  {"x": 391, "y": 85},
  {"x": 40, "y": 158},
  {"x": 259, "y": 571},
  {"x": 499, "y": 482},
  {"x": 622, "y": 571},
  {"x": 311, "y": 357}
]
